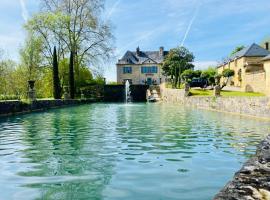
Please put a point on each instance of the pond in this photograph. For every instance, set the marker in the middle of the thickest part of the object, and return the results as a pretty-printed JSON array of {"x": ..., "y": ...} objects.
[{"x": 123, "y": 151}]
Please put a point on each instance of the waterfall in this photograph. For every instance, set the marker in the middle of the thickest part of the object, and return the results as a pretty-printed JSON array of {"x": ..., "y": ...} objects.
[{"x": 127, "y": 92}]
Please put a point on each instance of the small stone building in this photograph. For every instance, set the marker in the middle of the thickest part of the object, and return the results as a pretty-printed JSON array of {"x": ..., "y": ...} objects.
[
  {"x": 141, "y": 67},
  {"x": 252, "y": 69}
]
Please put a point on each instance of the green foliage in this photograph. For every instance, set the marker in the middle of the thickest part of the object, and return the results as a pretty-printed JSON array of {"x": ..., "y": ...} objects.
[
  {"x": 9, "y": 97},
  {"x": 227, "y": 73},
  {"x": 201, "y": 92},
  {"x": 31, "y": 55},
  {"x": 189, "y": 74},
  {"x": 176, "y": 62},
  {"x": 209, "y": 74},
  {"x": 237, "y": 49}
]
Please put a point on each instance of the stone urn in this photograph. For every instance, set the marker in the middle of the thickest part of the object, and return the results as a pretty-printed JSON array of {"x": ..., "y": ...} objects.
[
  {"x": 31, "y": 92},
  {"x": 66, "y": 92},
  {"x": 31, "y": 84}
]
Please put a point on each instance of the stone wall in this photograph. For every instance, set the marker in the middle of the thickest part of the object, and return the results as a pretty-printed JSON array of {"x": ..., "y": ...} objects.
[
  {"x": 16, "y": 107},
  {"x": 252, "y": 182},
  {"x": 255, "y": 82},
  {"x": 249, "y": 106}
]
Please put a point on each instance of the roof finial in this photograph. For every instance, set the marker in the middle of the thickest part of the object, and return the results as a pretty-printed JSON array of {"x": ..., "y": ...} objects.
[{"x": 138, "y": 51}]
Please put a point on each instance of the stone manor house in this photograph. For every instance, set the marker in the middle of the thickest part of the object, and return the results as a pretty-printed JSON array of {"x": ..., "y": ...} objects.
[
  {"x": 252, "y": 69},
  {"x": 141, "y": 67}
]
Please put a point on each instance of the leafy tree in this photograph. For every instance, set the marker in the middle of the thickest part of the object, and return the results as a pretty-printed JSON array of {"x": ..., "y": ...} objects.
[
  {"x": 56, "y": 81},
  {"x": 189, "y": 74},
  {"x": 227, "y": 74},
  {"x": 209, "y": 74},
  {"x": 176, "y": 62},
  {"x": 238, "y": 48},
  {"x": 31, "y": 55}
]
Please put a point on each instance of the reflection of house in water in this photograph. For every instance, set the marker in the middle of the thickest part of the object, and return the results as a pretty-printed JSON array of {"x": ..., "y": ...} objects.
[
  {"x": 252, "y": 69},
  {"x": 141, "y": 67}
]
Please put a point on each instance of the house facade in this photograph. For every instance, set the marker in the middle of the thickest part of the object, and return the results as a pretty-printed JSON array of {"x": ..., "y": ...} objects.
[
  {"x": 251, "y": 66},
  {"x": 141, "y": 67}
]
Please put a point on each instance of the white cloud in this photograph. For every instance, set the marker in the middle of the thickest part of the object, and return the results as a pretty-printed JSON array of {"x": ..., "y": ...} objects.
[{"x": 25, "y": 14}]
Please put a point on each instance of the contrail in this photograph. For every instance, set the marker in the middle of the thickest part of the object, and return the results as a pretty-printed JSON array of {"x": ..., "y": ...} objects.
[
  {"x": 191, "y": 23},
  {"x": 24, "y": 10},
  {"x": 112, "y": 10}
]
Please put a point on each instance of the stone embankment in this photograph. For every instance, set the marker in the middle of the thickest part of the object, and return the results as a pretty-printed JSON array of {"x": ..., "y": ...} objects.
[
  {"x": 248, "y": 106},
  {"x": 17, "y": 107},
  {"x": 252, "y": 182}
]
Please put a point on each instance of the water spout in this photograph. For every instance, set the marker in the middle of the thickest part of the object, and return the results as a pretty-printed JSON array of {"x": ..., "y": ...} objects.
[{"x": 127, "y": 92}]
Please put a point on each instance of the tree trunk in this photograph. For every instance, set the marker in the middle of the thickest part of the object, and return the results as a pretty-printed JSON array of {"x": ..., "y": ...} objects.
[
  {"x": 71, "y": 76},
  {"x": 56, "y": 80}
]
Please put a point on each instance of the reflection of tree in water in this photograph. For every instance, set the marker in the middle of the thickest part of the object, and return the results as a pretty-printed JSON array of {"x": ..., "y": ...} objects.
[{"x": 71, "y": 160}]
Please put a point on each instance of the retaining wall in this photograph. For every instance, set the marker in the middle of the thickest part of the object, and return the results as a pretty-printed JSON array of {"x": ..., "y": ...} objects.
[
  {"x": 17, "y": 107},
  {"x": 249, "y": 106}
]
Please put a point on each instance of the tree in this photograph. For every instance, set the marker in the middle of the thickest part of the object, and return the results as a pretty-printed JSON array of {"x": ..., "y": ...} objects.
[
  {"x": 176, "y": 62},
  {"x": 31, "y": 55},
  {"x": 71, "y": 76},
  {"x": 56, "y": 81},
  {"x": 78, "y": 27},
  {"x": 237, "y": 49},
  {"x": 227, "y": 74},
  {"x": 189, "y": 74},
  {"x": 209, "y": 74}
]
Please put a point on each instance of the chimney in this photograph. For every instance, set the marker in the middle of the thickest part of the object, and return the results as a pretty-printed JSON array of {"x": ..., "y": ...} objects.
[
  {"x": 266, "y": 45},
  {"x": 161, "y": 51},
  {"x": 138, "y": 51}
]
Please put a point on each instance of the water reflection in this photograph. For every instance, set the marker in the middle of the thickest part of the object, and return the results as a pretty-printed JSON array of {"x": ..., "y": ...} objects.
[{"x": 116, "y": 151}]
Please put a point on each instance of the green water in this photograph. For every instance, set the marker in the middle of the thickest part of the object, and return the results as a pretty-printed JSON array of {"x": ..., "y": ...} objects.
[{"x": 118, "y": 151}]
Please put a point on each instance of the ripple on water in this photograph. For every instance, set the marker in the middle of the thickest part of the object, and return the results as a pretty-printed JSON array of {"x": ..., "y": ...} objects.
[{"x": 123, "y": 151}]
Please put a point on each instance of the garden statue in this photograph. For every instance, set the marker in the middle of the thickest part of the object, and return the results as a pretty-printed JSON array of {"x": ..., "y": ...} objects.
[{"x": 31, "y": 92}]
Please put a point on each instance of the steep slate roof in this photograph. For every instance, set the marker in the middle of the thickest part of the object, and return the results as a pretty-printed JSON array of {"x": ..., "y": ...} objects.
[
  {"x": 131, "y": 57},
  {"x": 253, "y": 50}
]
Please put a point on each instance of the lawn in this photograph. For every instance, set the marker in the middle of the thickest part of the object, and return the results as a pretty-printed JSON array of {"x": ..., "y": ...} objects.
[{"x": 201, "y": 92}]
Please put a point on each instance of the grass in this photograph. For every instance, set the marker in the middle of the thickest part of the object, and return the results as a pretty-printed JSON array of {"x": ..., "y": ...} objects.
[
  {"x": 169, "y": 85},
  {"x": 201, "y": 92}
]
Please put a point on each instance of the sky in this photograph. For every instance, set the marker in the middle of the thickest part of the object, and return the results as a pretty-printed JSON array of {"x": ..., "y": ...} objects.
[{"x": 210, "y": 29}]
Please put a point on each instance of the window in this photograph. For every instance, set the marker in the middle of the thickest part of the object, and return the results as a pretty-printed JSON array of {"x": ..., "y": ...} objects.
[
  {"x": 149, "y": 70},
  {"x": 127, "y": 70}
]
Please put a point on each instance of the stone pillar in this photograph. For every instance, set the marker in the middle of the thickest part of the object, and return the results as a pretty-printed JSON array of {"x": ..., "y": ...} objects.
[
  {"x": 31, "y": 94},
  {"x": 187, "y": 88},
  {"x": 217, "y": 90},
  {"x": 66, "y": 93}
]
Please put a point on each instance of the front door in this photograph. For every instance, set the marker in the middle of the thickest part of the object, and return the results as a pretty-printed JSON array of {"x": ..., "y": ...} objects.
[{"x": 149, "y": 81}]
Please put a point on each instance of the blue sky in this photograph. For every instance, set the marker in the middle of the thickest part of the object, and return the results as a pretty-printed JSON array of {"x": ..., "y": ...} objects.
[{"x": 209, "y": 28}]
